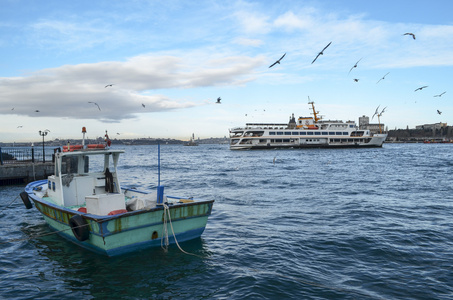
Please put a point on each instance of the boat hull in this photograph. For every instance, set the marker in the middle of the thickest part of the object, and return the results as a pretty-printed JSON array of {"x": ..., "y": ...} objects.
[
  {"x": 373, "y": 142},
  {"x": 127, "y": 232}
]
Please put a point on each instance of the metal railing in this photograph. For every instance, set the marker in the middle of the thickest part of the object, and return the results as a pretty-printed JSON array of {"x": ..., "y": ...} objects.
[{"x": 15, "y": 155}]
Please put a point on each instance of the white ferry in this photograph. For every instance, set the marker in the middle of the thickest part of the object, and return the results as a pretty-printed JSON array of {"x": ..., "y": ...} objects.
[{"x": 307, "y": 132}]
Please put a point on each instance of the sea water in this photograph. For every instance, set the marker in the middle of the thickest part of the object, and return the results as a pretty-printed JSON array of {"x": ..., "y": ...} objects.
[{"x": 286, "y": 224}]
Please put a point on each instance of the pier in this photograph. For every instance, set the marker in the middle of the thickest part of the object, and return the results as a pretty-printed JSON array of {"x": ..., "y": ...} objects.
[{"x": 20, "y": 165}]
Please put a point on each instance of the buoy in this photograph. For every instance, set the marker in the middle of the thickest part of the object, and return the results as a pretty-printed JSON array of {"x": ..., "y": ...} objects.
[
  {"x": 26, "y": 200},
  {"x": 79, "y": 227}
]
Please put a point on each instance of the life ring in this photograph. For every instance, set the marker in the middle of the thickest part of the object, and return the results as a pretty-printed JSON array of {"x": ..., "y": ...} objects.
[
  {"x": 26, "y": 200},
  {"x": 79, "y": 227}
]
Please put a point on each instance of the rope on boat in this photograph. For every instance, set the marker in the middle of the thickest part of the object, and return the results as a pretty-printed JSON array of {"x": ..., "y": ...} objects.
[
  {"x": 41, "y": 235},
  {"x": 165, "y": 233},
  {"x": 9, "y": 204}
]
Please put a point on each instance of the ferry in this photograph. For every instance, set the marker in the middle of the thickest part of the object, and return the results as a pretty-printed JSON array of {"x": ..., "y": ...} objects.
[{"x": 307, "y": 132}]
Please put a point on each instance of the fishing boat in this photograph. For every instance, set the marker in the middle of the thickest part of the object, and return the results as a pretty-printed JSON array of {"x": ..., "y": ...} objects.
[
  {"x": 85, "y": 203},
  {"x": 192, "y": 141},
  {"x": 307, "y": 132}
]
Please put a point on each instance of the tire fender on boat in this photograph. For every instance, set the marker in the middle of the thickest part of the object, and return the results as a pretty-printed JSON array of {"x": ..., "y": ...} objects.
[
  {"x": 26, "y": 200},
  {"x": 79, "y": 227}
]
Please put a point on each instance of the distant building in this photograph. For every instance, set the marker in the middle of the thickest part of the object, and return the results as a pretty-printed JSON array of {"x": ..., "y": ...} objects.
[
  {"x": 431, "y": 126},
  {"x": 364, "y": 123}
]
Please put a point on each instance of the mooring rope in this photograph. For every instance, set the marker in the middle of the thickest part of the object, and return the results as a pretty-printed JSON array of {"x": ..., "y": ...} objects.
[
  {"x": 41, "y": 235},
  {"x": 9, "y": 204},
  {"x": 165, "y": 230}
]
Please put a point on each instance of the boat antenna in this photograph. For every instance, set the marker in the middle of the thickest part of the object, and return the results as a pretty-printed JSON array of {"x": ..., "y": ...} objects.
[
  {"x": 160, "y": 188},
  {"x": 158, "y": 164}
]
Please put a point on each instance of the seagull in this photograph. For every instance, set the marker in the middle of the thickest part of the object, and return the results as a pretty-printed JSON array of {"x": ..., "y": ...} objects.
[
  {"x": 439, "y": 112},
  {"x": 355, "y": 66},
  {"x": 109, "y": 85},
  {"x": 20, "y": 126},
  {"x": 440, "y": 95},
  {"x": 321, "y": 53},
  {"x": 12, "y": 108},
  {"x": 278, "y": 61},
  {"x": 356, "y": 80},
  {"x": 421, "y": 88},
  {"x": 118, "y": 133},
  {"x": 409, "y": 33},
  {"x": 382, "y": 77},
  {"x": 95, "y": 104},
  {"x": 143, "y": 105},
  {"x": 218, "y": 100},
  {"x": 36, "y": 110},
  {"x": 375, "y": 113}
]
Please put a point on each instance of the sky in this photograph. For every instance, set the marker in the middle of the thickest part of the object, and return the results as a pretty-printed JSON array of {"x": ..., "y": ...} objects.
[{"x": 154, "y": 69}]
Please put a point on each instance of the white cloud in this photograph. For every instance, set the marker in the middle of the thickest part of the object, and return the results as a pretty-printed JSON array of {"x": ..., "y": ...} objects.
[{"x": 66, "y": 91}]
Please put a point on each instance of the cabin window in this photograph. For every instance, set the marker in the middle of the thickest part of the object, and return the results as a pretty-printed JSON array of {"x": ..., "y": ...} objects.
[
  {"x": 303, "y": 133},
  {"x": 295, "y": 133},
  {"x": 338, "y": 133},
  {"x": 345, "y": 133},
  {"x": 285, "y": 140},
  {"x": 351, "y": 126},
  {"x": 331, "y": 133},
  {"x": 271, "y": 132},
  {"x": 310, "y": 133},
  {"x": 288, "y": 133},
  {"x": 317, "y": 133},
  {"x": 324, "y": 133},
  {"x": 279, "y": 133}
]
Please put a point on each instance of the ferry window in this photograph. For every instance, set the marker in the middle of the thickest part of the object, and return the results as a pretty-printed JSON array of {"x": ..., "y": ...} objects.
[
  {"x": 279, "y": 133},
  {"x": 351, "y": 126},
  {"x": 345, "y": 133},
  {"x": 295, "y": 133},
  {"x": 286, "y": 141},
  {"x": 271, "y": 132},
  {"x": 338, "y": 133},
  {"x": 303, "y": 133},
  {"x": 324, "y": 133},
  {"x": 310, "y": 133},
  {"x": 331, "y": 133},
  {"x": 317, "y": 133},
  {"x": 288, "y": 133},
  {"x": 278, "y": 140}
]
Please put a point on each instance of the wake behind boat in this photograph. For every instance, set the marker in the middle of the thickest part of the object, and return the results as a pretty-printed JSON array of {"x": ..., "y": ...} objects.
[
  {"x": 307, "y": 132},
  {"x": 84, "y": 202}
]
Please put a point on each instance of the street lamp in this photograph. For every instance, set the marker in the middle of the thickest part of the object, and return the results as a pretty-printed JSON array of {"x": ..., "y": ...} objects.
[{"x": 43, "y": 134}]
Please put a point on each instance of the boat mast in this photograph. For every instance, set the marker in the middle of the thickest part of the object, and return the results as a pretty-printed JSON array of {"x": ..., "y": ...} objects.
[{"x": 315, "y": 113}]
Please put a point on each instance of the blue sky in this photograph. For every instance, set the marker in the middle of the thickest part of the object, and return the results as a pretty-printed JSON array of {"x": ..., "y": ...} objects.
[{"x": 169, "y": 61}]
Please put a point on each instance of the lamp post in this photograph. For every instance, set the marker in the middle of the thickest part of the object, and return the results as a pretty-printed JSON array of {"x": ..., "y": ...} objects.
[{"x": 43, "y": 134}]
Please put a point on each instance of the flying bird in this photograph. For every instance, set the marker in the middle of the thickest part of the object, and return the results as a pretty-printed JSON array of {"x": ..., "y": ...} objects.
[
  {"x": 95, "y": 104},
  {"x": 383, "y": 77},
  {"x": 109, "y": 85},
  {"x": 143, "y": 105},
  {"x": 411, "y": 34},
  {"x": 355, "y": 66},
  {"x": 321, "y": 53},
  {"x": 278, "y": 61},
  {"x": 440, "y": 95},
  {"x": 421, "y": 88},
  {"x": 356, "y": 80},
  {"x": 12, "y": 108},
  {"x": 36, "y": 110},
  {"x": 375, "y": 113},
  {"x": 439, "y": 112},
  {"x": 218, "y": 100},
  {"x": 20, "y": 126}
]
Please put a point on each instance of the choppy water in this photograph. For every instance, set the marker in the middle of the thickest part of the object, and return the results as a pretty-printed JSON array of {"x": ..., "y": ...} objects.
[{"x": 316, "y": 224}]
